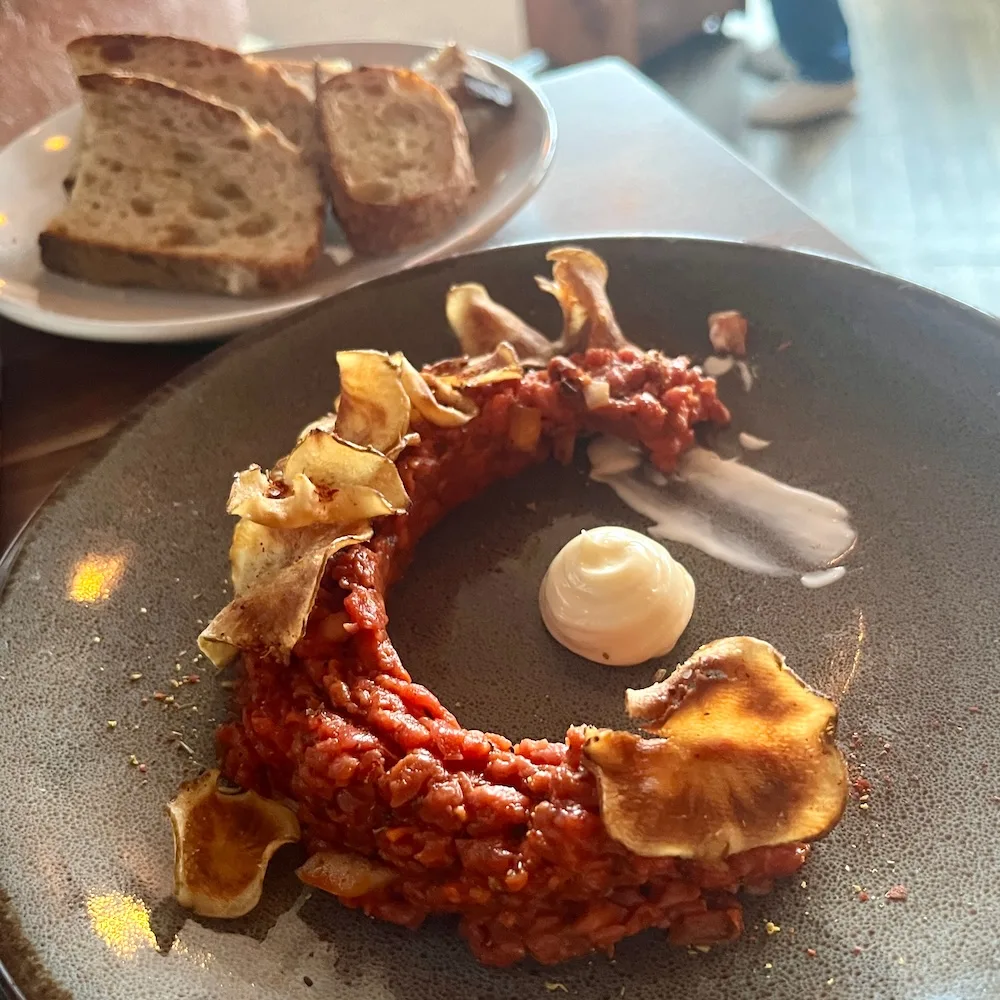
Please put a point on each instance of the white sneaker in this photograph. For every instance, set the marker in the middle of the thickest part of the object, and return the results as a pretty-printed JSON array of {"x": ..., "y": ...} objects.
[
  {"x": 796, "y": 102},
  {"x": 770, "y": 63}
]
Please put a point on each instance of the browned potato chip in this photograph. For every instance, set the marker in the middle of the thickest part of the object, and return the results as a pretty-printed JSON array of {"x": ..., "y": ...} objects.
[
  {"x": 374, "y": 408},
  {"x": 332, "y": 463},
  {"x": 344, "y": 874},
  {"x": 320, "y": 498},
  {"x": 500, "y": 365},
  {"x": 276, "y": 576},
  {"x": 440, "y": 405},
  {"x": 327, "y": 423},
  {"x": 746, "y": 758},
  {"x": 223, "y": 841},
  {"x": 480, "y": 324},
  {"x": 297, "y": 502},
  {"x": 579, "y": 284}
]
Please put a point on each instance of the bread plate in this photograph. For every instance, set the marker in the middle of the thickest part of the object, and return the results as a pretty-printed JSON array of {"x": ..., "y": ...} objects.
[{"x": 511, "y": 156}]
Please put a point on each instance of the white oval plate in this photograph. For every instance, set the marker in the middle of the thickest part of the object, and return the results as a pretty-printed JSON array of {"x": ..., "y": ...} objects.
[{"x": 511, "y": 156}]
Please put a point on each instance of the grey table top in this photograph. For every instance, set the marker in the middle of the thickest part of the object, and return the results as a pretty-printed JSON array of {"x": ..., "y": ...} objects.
[{"x": 629, "y": 159}]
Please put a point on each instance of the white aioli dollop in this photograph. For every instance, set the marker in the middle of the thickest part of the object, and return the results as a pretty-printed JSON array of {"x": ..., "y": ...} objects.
[{"x": 616, "y": 596}]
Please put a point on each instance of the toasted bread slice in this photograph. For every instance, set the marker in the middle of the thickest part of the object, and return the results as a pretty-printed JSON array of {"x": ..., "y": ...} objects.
[
  {"x": 178, "y": 191},
  {"x": 399, "y": 168},
  {"x": 263, "y": 89}
]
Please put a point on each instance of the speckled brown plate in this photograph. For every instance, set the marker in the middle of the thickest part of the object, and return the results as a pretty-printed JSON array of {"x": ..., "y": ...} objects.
[{"x": 880, "y": 394}]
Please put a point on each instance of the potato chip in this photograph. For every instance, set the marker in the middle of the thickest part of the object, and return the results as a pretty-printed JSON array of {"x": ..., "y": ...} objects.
[
  {"x": 745, "y": 758},
  {"x": 334, "y": 464},
  {"x": 374, "y": 408},
  {"x": 327, "y": 423},
  {"x": 579, "y": 284},
  {"x": 480, "y": 324},
  {"x": 436, "y": 402},
  {"x": 500, "y": 365},
  {"x": 299, "y": 503},
  {"x": 223, "y": 841},
  {"x": 276, "y": 576}
]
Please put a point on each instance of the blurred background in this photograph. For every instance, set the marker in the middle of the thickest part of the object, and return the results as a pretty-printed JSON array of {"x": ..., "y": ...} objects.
[{"x": 911, "y": 178}]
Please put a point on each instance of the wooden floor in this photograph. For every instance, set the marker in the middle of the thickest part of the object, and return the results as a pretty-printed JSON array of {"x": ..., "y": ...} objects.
[{"x": 912, "y": 179}]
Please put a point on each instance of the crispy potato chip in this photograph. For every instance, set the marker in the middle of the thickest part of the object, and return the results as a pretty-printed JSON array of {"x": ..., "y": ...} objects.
[
  {"x": 406, "y": 441},
  {"x": 374, "y": 408},
  {"x": 500, "y": 365},
  {"x": 346, "y": 875},
  {"x": 746, "y": 758},
  {"x": 330, "y": 462},
  {"x": 299, "y": 504},
  {"x": 223, "y": 841},
  {"x": 448, "y": 396},
  {"x": 579, "y": 284},
  {"x": 276, "y": 576},
  {"x": 436, "y": 402},
  {"x": 322, "y": 499},
  {"x": 258, "y": 551},
  {"x": 327, "y": 423},
  {"x": 480, "y": 324}
]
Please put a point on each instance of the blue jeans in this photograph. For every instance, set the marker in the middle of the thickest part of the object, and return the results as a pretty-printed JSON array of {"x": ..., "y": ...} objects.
[{"x": 814, "y": 34}]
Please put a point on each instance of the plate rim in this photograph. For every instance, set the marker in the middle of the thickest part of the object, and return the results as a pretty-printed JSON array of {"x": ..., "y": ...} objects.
[{"x": 236, "y": 319}]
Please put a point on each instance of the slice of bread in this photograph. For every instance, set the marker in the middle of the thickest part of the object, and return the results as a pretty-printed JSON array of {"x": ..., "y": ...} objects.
[
  {"x": 178, "y": 191},
  {"x": 263, "y": 89},
  {"x": 303, "y": 73},
  {"x": 399, "y": 167}
]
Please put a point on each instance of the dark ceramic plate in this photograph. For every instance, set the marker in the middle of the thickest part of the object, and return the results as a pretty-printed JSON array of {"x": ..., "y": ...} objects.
[{"x": 886, "y": 398}]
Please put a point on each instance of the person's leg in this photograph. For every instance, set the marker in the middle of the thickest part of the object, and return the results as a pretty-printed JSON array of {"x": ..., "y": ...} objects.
[{"x": 814, "y": 34}]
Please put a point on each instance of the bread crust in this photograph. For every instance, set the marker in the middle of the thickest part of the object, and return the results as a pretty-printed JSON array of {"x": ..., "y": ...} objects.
[
  {"x": 138, "y": 54},
  {"x": 373, "y": 228},
  {"x": 185, "y": 268},
  {"x": 102, "y": 264}
]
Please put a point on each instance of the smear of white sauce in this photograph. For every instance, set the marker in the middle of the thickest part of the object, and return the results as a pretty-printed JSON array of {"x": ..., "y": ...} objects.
[
  {"x": 823, "y": 577},
  {"x": 730, "y": 511},
  {"x": 746, "y": 376},
  {"x": 753, "y": 443},
  {"x": 715, "y": 366}
]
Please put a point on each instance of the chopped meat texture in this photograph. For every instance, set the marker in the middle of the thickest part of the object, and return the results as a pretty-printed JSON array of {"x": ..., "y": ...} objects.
[
  {"x": 507, "y": 836},
  {"x": 728, "y": 332}
]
